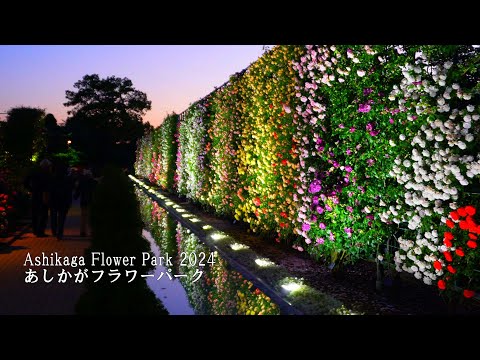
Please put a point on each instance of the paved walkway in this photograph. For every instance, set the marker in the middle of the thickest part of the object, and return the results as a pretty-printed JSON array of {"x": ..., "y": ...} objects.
[{"x": 41, "y": 298}]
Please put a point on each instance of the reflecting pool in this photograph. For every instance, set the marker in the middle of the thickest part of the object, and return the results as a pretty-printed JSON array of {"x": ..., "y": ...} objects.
[{"x": 192, "y": 279}]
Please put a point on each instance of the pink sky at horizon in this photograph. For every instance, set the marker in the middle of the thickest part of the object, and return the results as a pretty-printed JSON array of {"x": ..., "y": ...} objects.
[{"x": 172, "y": 76}]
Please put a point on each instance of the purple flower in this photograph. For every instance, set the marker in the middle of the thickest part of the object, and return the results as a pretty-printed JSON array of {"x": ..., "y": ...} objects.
[
  {"x": 391, "y": 121},
  {"x": 350, "y": 194},
  {"x": 346, "y": 180},
  {"x": 328, "y": 208},
  {"x": 313, "y": 218},
  {"x": 305, "y": 227},
  {"x": 320, "y": 241},
  {"x": 350, "y": 209},
  {"x": 358, "y": 147},
  {"x": 369, "y": 127},
  {"x": 361, "y": 188},
  {"x": 414, "y": 117},
  {"x": 315, "y": 200},
  {"x": 348, "y": 169},
  {"x": 369, "y": 216},
  {"x": 335, "y": 200},
  {"x": 352, "y": 129},
  {"x": 364, "y": 108},
  {"x": 319, "y": 209},
  {"x": 370, "y": 162},
  {"x": 348, "y": 230},
  {"x": 322, "y": 226},
  {"x": 375, "y": 132},
  {"x": 315, "y": 187},
  {"x": 417, "y": 83},
  {"x": 349, "y": 152},
  {"x": 332, "y": 237},
  {"x": 367, "y": 91},
  {"x": 335, "y": 164},
  {"x": 341, "y": 126}
]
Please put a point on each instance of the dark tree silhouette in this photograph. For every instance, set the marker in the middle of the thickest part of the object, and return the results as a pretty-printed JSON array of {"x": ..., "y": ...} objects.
[
  {"x": 106, "y": 118},
  {"x": 24, "y": 133}
]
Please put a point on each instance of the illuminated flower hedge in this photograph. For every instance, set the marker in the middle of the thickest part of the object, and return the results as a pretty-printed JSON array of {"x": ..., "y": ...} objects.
[
  {"x": 267, "y": 163},
  {"x": 347, "y": 133},
  {"x": 442, "y": 161},
  {"x": 191, "y": 152},
  {"x": 222, "y": 147},
  {"x": 337, "y": 148}
]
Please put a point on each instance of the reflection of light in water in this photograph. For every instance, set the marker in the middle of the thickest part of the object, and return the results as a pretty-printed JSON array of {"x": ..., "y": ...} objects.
[
  {"x": 170, "y": 292},
  {"x": 237, "y": 246},
  {"x": 264, "y": 262},
  {"x": 291, "y": 286}
]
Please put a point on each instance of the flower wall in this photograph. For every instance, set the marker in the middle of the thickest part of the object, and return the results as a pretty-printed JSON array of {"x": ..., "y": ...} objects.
[
  {"x": 339, "y": 148},
  {"x": 267, "y": 162}
]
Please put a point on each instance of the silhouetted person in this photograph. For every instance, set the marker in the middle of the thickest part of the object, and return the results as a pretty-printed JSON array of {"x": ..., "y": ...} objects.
[
  {"x": 86, "y": 186},
  {"x": 39, "y": 184},
  {"x": 61, "y": 198}
]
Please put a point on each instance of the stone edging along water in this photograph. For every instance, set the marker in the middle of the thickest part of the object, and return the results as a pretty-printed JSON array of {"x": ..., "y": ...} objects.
[{"x": 292, "y": 295}]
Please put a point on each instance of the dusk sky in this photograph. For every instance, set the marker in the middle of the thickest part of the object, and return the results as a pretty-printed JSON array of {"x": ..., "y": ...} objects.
[{"x": 172, "y": 76}]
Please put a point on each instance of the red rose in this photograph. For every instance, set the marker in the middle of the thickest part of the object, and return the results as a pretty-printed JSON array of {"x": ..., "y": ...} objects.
[
  {"x": 448, "y": 235},
  {"x": 462, "y": 212},
  {"x": 454, "y": 215},
  {"x": 448, "y": 256},
  {"x": 450, "y": 223},
  {"x": 284, "y": 162},
  {"x": 283, "y": 214},
  {"x": 472, "y": 236},
  {"x": 257, "y": 201},
  {"x": 468, "y": 293},
  {"x": 464, "y": 225},
  {"x": 451, "y": 269},
  {"x": 441, "y": 284},
  {"x": 470, "y": 210},
  {"x": 471, "y": 244},
  {"x": 459, "y": 252},
  {"x": 437, "y": 265},
  {"x": 447, "y": 242}
]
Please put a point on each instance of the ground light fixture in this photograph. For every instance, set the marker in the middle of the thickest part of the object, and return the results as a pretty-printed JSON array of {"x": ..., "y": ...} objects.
[
  {"x": 218, "y": 236},
  {"x": 292, "y": 286},
  {"x": 238, "y": 246},
  {"x": 194, "y": 219},
  {"x": 187, "y": 215},
  {"x": 264, "y": 262},
  {"x": 206, "y": 227}
]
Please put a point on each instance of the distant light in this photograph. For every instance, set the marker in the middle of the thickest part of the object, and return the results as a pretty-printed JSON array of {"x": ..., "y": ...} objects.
[
  {"x": 218, "y": 236},
  {"x": 237, "y": 246},
  {"x": 206, "y": 227},
  {"x": 291, "y": 286},
  {"x": 186, "y": 215},
  {"x": 180, "y": 210},
  {"x": 195, "y": 220},
  {"x": 169, "y": 203},
  {"x": 264, "y": 262},
  {"x": 69, "y": 142}
]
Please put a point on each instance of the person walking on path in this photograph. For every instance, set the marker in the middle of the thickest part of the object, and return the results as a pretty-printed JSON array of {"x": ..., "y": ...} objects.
[
  {"x": 39, "y": 184},
  {"x": 86, "y": 186},
  {"x": 61, "y": 198}
]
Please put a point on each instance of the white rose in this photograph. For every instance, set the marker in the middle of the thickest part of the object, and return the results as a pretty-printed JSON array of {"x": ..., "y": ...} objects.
[
  {"x": 402, "y": 137},
  {"x": 360, "y": 73},
  {"x": 470, "y": 108},
  {"x": 467, "y": 96},
  {"x": 455, "y": 86}
]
